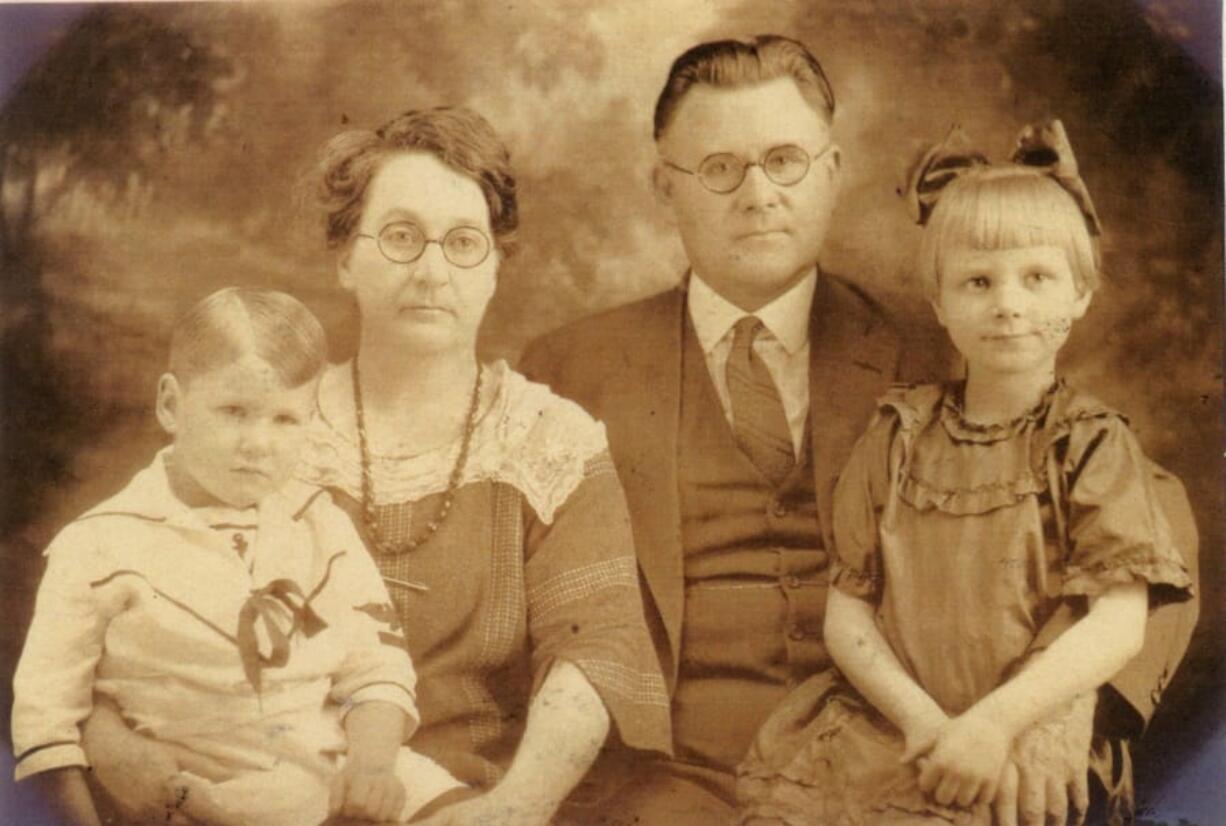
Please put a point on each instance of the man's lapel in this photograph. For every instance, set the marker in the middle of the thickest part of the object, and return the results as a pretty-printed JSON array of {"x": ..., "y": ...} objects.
[
  {"x": 643, "y": 436},
  {"x": 852, "y": 362}
]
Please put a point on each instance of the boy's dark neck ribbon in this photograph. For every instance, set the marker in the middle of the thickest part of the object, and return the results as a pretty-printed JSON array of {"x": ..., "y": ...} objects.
[{"x": 268, "y": 604}]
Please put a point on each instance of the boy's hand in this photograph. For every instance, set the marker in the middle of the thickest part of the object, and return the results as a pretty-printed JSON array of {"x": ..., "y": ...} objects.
[
  {"x": 366, "y": 792},
  {"x": 966, "y": 763}
]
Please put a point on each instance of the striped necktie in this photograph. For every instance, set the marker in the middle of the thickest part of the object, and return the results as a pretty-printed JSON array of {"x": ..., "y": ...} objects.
[{"x": 758, "y": 418}]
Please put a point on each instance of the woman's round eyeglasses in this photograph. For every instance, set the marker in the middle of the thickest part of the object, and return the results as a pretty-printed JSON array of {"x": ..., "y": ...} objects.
[
  {"x": 723, "y": 172},
  {"x": 403, "y": 242}
]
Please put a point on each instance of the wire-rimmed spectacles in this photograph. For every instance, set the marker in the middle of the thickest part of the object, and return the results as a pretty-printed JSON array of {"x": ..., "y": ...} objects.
[
  {"x": 723, "y": 172},
  {"x": 403, "y": 242}
]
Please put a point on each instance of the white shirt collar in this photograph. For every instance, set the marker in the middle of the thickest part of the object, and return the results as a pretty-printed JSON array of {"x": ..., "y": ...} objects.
[
  {"x": 149, "y": 496},
  {"x": 787, "y": 316}
]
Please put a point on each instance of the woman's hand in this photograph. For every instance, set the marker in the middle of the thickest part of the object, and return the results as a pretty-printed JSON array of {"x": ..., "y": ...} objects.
[
  {"x": 366, "y": 793},
  {"x": 69, "y": 795},
  {"x": 139, "y": 775},
  {"x": 966, "y": 762}
]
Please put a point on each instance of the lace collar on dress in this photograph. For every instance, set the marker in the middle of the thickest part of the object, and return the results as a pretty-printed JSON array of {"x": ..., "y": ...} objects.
[{"x": 526, "y": 436}]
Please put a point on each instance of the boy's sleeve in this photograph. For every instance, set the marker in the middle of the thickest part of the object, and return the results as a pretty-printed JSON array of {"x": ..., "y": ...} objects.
[
  {"x": 54, "y": 683},
  {"x": 376, "y": 664}
]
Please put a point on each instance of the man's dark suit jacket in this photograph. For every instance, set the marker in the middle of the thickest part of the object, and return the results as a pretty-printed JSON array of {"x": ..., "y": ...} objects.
[{"x": 624, "y": 367}]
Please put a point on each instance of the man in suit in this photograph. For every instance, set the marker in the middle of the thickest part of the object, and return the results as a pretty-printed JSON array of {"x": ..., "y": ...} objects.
[{"x": 731, "y": 404}]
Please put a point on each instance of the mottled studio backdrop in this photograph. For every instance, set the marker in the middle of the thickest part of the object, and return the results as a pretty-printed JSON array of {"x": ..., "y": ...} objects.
[{"x": 151, "y": 154}]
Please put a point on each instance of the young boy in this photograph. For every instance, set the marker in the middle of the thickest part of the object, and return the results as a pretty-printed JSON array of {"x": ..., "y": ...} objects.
[{"x": 230, "y": 614}]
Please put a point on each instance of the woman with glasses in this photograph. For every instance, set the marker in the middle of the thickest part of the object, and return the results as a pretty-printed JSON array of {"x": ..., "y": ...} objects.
[{"x": 489, "y": 504}]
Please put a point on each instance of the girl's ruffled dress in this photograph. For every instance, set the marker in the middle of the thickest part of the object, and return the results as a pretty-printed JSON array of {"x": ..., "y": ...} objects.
[{"x": 966, "y": 538}]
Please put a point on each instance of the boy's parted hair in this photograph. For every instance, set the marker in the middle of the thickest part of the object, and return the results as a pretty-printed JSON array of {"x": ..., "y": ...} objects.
[
  {"x": 231, "y": 323},
  {"x": 727, "y": 63},
  {"x": 1006, "y": 207},
  {"x": 457, "y": 136}
]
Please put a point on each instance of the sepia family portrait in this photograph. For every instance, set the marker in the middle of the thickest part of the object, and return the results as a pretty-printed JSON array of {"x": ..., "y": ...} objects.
[{"x": 671, "y": 412}]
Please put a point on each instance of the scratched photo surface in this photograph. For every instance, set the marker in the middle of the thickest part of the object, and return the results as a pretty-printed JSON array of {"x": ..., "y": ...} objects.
[{"x": 151, "y": 154}]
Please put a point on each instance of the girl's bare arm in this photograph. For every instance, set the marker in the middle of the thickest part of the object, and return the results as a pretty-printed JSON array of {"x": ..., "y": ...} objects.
[
  {"x": 965, "y": 764},
  {"x": 863, "y": 655},
  {"x": 1081, "y": 659}
]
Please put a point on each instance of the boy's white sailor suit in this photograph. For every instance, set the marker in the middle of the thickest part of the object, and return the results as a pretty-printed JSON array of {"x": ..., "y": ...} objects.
[{"x": 249, "y": 659}]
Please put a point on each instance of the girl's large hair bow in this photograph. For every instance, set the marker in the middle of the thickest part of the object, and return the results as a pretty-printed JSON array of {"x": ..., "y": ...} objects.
[{"x": 1042, "y": 146}]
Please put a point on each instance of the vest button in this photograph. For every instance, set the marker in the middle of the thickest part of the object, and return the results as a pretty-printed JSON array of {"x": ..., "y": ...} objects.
[
  {"x": 780, "y": 508},
  {"x": 798, "y": 632},
  {"x": 793, "y": 581}
]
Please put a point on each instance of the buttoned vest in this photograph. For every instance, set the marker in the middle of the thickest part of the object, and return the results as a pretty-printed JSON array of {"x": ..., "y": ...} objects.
[{"x": 755, "y": 573}]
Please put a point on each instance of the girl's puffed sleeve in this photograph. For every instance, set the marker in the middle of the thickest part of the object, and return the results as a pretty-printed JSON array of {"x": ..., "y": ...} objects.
[
  {"x": 54, "y": 684},
  {"x": 585, "y": 606},
  {"x": 1116, "y": 527},
  {"x": 859, "y": 498}
]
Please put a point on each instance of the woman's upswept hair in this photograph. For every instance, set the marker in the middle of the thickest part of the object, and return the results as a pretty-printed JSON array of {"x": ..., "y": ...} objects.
[
  {"x": 457, "y": 136},
  {"x": 239, "y": 321},
  {"x": 1005, "y": 207},
  {"x": 727, "y": 63}
]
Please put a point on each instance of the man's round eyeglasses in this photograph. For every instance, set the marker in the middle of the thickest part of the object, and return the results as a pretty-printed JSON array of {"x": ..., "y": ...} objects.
[
  {"x": 403, "y": 242},
  {"x": 723, "y": 172}
]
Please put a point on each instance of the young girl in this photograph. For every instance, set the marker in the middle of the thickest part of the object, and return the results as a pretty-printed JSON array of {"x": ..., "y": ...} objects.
[{"x": 967, "y": 513}]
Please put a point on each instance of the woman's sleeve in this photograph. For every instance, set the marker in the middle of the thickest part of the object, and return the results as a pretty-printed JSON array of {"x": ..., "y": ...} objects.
[
  {"x": 1116, "y": 526},
  {"x": 585, "y": 606},
  {"x": 54, "y": 683},
  {"x": 859, "y": 498}
]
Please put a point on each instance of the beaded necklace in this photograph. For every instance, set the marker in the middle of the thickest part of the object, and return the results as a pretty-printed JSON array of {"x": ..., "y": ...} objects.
[{"x": 368, "y": 497}]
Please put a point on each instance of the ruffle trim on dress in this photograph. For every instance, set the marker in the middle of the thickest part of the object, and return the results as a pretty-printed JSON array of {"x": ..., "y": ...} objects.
[
  {"x": 825, "y": 756},
  {"x": 1141, "y": 566},
  {"x": 912, "y": 403},
  {"x": 529, "y": 438},
  {"x": 923, "y": 495},
  {"x": 1060, "y": 408},
  {"x": 1068, "y": 413},
  {"x": 961, "y": 430},
  {"x": 1052, "y": 420}
]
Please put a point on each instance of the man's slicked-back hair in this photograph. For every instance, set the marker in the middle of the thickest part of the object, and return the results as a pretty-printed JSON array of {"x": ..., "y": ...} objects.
[
  {"x": 728, "y": 63},
  {"x": 239, "y": 321}
]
